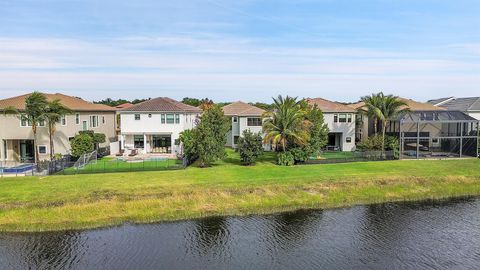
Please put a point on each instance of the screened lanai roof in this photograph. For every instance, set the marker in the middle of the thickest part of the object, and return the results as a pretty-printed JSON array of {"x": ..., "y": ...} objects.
[{"x": 435, "y": 116}]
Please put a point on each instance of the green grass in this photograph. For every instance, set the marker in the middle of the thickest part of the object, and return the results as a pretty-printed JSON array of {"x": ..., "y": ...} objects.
[
  {"x": 94, "y": 200},
  {"x": 109, "y": 165},
  {"x": 337, "y": 155}
]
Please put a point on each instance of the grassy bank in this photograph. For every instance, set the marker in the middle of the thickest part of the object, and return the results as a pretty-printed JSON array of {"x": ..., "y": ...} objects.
[{"x": 87, "y": 201}]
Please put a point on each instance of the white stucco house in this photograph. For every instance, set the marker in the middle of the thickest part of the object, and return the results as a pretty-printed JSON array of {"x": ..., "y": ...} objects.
[
  {"x": 243, "y": 117},
  {"x": 153, "y": 126},
  {"x": 340, "y": 119}
]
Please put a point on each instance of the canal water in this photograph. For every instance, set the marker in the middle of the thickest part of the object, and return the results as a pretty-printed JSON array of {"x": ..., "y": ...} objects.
[{"x": 427, "y": 235}]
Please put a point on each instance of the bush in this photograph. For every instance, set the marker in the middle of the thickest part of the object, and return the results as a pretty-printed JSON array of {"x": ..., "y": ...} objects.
[
  {"x": 249, "y": 147},
  {"x": 187, "y": 140},
  {"x": 374, "y": 143},
  {"x": 81, "y": 144},
  {"x": 285, "y": 159},
  {"x": 300, "y": 154}
]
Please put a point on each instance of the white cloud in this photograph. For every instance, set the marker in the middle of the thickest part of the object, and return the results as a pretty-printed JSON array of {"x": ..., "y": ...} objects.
[{"x": 223, "y": 68}]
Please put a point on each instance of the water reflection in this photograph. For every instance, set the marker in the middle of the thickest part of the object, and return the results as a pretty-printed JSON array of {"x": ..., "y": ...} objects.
[{"x": 430, "y": 235}]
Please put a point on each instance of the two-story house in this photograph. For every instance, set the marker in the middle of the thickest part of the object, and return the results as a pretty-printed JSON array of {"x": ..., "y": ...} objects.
[
  {"x": 340, "y": 119},
  {"x": 16, "y": 135},
  {"x": 243, "y": 117},
  {"x": 153, "y": 126}
]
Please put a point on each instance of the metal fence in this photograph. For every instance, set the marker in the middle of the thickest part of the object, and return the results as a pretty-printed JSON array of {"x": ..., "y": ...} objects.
[
  {"x": 357, "y": 156},
  {"x": 68, "y": 166}
]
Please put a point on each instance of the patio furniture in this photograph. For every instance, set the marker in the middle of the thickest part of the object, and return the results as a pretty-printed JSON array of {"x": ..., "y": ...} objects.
[
  {"x": 133, "y": 153},
  {"x": 120, "y": 154}
]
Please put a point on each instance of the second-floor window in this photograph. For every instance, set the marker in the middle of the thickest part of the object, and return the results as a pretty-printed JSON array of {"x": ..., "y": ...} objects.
[
  {"x": 254, "y": 121},
  {"x": 170, "y": 118},
  {"x": 137, "y": 116},
  {"x": 77, "y": 119},
  {"x": 64, "y": 120},
  {"x": 94, "y": 121},
  {"x": 342, "y": 118}
]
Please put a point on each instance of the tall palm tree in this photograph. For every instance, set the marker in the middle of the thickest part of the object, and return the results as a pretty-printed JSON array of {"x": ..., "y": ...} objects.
[
  {"x": 385, "y": 108},
  {"x": 54, "y": 113},
  {"x": 286, "y": 124},
  {"x": 34, "y": 114}
]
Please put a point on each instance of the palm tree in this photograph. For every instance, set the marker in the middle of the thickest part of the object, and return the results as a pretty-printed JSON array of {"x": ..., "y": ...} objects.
[
  {"x": 372, "y": 103},
  {"x": 385, "y": 108},
  {"x": 286, "y": 124},
  {"x": 34, "y": 114},
  {"x": 55, "y": 110}
]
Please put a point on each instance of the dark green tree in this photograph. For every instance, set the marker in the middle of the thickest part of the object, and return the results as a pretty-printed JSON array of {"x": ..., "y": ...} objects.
[
  {"x": 55, "y": 110},
  {"x": 210, "y": 135},
  {"x": 250, "y": 147}
]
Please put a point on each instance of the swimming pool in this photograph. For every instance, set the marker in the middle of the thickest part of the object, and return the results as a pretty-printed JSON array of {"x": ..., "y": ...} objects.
[{"x": 18, "y": 169}]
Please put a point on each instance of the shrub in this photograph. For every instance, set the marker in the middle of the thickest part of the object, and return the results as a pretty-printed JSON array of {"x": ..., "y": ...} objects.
[
  {"x": 285, "y": 159},
  {"x": 249, "y": 147},
  {"x": 187, "y": 140},
  {"x": 300, "y": 154},
  {"x": 374, "y": 143},
  {"x": 81, "y": 144}
]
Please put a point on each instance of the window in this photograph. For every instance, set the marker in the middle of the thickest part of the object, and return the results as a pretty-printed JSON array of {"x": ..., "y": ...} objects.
[
  {"x": 235, "y": 119},
  {"x": 64, "y": 120},
  {"x": 94, "y": 121},
  {"x": 177, "y": 118},
  {"x": 349, "y": 139},
  {"x": 163, "y": 118},
  {"x": 170, "y": 118},
  {"x": 335, "y": 118},
  {"x": 349, "y": 118},
  {"x": 77, "y": 119},
  {"x": 42, "y": 149},
  {"x": 137, "y": 116},
  {"x": 41, "y": 123},
  {"x": 235, "y": 139},
  {"x": 4, "y": 149},
  {"x": 342, "y": 118},
  {"x": 138, "y": 141},
  {"x": 103, "y": 119},
  {"x": 254, "y": 122}
]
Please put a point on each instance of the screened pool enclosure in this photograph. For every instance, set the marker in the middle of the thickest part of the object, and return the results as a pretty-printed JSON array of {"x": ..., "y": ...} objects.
[{"x": 436, "y": 134}]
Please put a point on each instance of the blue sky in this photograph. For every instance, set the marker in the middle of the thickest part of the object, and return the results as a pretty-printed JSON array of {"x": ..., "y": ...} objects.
[{"x": 240, "y": 50}]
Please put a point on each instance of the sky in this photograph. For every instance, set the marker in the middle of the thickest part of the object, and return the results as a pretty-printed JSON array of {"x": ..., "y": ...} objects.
[{"x": 246, "y": 50}]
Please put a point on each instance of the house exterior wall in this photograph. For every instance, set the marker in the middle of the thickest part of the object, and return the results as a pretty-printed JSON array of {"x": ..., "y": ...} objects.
[
  {"x": 241, "y": 125},
  {"x": 475, "y": 115},
  {"x": 106, "y": 125},
  {"x": 346, "y": 129},
  {"x": 151, "y": 123}
]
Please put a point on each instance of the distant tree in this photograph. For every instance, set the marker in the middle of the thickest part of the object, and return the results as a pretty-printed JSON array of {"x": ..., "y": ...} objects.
[
  {"x": 111, "y": 102},
  {"x": 139, "y": 100},
  {"x": 317, "y": 129},
  {"x": 54, "y": 113},
  {"x": 250, "y": 147},
  {"x": 34, "y": 114},
  {"x": 192, "y": 101},
  {"x": 210, "y": 135},
  {"x": 81, "y": 144}
]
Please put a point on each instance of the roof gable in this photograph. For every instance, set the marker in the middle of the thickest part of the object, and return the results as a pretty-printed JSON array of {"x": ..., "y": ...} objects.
[
  {"x": 162, "y": 104},
  {"x": 73, "y": 103},
  {"x": 242, "y": 109},
  {"x": 329, "y": 106}
]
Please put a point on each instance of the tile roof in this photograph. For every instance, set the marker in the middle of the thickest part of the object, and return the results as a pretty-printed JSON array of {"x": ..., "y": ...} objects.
[
  {"x": 329, "y": 106},
  {"x": 463, "y": 104},
  {"x": 412, "y": 104},
  {"x": 73, "y": 103},
  {"x": 162, "y": 104},
  {"x": 242, "y": 109},
  {"x": 124, "y": 105},
  {"x": 439, "y": 101}
]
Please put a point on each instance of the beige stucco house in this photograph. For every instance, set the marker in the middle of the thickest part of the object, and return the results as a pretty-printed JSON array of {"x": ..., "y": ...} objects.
[{"x": 16, "y": 135}]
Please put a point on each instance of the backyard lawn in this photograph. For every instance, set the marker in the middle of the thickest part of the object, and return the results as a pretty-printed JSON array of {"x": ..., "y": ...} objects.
[{"x": 227, "y": 188}]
